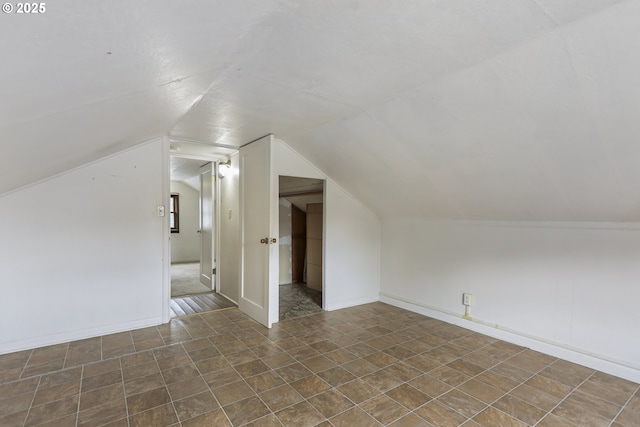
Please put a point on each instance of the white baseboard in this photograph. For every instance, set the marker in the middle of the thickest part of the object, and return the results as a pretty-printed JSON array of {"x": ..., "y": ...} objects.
[
  {"x": 47, "y": 340},
  {"x": 351, "y": 303},
  {"x": 599, "y": 362}
]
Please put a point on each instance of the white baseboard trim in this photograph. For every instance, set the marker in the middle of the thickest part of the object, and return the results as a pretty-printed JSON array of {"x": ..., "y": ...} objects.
[
  {"x": 351, "y": 303},
  {"x": 597, "y": 362},
  {"x": 53, "y": 339}
]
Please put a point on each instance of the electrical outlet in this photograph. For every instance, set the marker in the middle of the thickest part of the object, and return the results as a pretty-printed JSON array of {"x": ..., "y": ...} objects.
[{"x": 467, "y": 299}]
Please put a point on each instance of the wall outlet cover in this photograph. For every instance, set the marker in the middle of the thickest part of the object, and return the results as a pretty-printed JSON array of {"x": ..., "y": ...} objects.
[{"x": 467, "y": 299}]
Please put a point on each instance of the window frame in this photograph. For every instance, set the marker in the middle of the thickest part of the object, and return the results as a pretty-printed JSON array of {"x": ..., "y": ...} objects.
[{"x": 174, "y": 209}]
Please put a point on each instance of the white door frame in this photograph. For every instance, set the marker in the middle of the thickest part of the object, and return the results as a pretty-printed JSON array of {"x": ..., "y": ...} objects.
[{"x": 166, "y": 235}]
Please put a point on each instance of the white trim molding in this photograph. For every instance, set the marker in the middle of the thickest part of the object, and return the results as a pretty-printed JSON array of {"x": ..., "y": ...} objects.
[{"x": 580, "y": 356}]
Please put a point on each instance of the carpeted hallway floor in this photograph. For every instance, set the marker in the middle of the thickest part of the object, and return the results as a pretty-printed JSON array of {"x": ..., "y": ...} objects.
[{"x": 185, "y": 280}]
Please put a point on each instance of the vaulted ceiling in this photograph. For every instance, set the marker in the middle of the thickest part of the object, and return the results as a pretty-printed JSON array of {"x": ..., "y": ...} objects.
[{"x": 494, "y": 109}]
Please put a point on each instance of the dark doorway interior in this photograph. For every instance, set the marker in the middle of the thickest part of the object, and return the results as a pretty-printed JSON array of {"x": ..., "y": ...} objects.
[
  {"x": 298, "y": 243},
  {"x": 301, "y": 246}
]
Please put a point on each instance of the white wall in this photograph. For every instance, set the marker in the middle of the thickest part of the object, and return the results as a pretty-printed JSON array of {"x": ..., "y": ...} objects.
[
  {"x": 229, "y": 256},
  {"x": 566, "y": 289},
  {"x": 352, "y": 250},
  {"x": 351, "y": 235},
  {"x": 82, "y": 250},
  {"x": 185, "y": 245},
  {"x": 284, "y": 242}
]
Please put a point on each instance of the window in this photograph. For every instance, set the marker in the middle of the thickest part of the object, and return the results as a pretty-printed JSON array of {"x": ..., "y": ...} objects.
[{"x": 174, "y": 222}]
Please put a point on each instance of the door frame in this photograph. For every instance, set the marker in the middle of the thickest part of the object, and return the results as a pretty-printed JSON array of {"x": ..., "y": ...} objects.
[
  {"x": 166, "y": 232},
  {"x": 188, "y": 150},
  {"x": 287, "y": 162},
  {"x": 324, "y": 222}
]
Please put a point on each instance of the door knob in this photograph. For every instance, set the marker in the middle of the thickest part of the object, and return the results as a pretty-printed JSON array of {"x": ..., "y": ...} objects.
[
  {"x": 273, "y": 240},
  {"x": 264, "y": 240}
]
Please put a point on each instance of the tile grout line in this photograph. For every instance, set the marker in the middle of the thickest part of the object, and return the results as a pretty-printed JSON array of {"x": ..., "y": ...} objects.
[
  {"x": 304, "y": 399},
  {"x": 573, "y": 390},
  {"x": 423, "y": 373},
  {"x": 24, "y": 367},
  {"x": 625, "y": 405},
  {"x": 518, "y": 385},
  {"x": 124, "y": 391},
  {"x": 380, "y": 369},
  {"x": 101, "y": 348},
  {"x": 35, "y": 391},
  {"x": 257, "y": 394},
  {"x": 66, "y": 355},
  {"x": 195, "y": 365},
  {"x": 80, "y": 393},
  {"x": 474, "y": 377},
  {"x": 164, "y": 380},
  {"x": 457, "y": 387}
]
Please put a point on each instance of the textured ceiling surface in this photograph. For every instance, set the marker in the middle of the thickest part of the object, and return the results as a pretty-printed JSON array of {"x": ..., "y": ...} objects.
[{"x": 494, "y": 109}]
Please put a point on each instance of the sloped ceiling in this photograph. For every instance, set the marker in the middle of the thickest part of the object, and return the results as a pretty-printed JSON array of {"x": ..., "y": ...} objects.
[{"x": 495, "y": 109}]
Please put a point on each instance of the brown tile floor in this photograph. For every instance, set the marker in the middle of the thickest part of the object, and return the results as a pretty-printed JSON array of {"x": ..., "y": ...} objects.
[{"x": 368, "y": 365}]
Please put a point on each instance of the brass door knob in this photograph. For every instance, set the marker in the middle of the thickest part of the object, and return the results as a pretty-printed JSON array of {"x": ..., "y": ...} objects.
[
  {"x": 264, "y": 240},
  {"x": 273, "y": 240}
]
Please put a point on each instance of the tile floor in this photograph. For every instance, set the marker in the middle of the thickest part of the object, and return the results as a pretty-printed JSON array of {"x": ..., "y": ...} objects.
[{"x": 369, "y": 365}]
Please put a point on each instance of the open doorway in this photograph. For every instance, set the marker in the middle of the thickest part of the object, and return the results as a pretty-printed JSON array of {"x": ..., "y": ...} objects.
[
  {"x": 301, "y": 207},
  {"x": 191, "y": 217}
]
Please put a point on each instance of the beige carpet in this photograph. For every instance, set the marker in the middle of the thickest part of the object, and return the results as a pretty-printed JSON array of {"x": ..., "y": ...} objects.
[{"x": 185, "y": 280}]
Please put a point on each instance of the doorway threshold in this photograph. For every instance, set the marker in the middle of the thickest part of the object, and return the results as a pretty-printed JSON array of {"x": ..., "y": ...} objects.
[{"x": 194, "y": 304}]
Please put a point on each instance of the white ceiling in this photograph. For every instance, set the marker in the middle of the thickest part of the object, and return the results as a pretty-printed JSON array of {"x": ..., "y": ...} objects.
[
  {"x": 182, "y": 169},
  {"x": 494, "y": 109}
]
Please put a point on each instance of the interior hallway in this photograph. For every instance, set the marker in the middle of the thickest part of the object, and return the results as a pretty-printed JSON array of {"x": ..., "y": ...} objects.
[
  {"x": 185, "y": 279},
  {"x": 368, "y": 365},
  {"x": 189, "y": 296}
]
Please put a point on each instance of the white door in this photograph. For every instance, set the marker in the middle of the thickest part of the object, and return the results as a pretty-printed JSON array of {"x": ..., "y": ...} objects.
[
  {"x": 206, "y": 225},
  {"x": 258, "y": 246}
]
